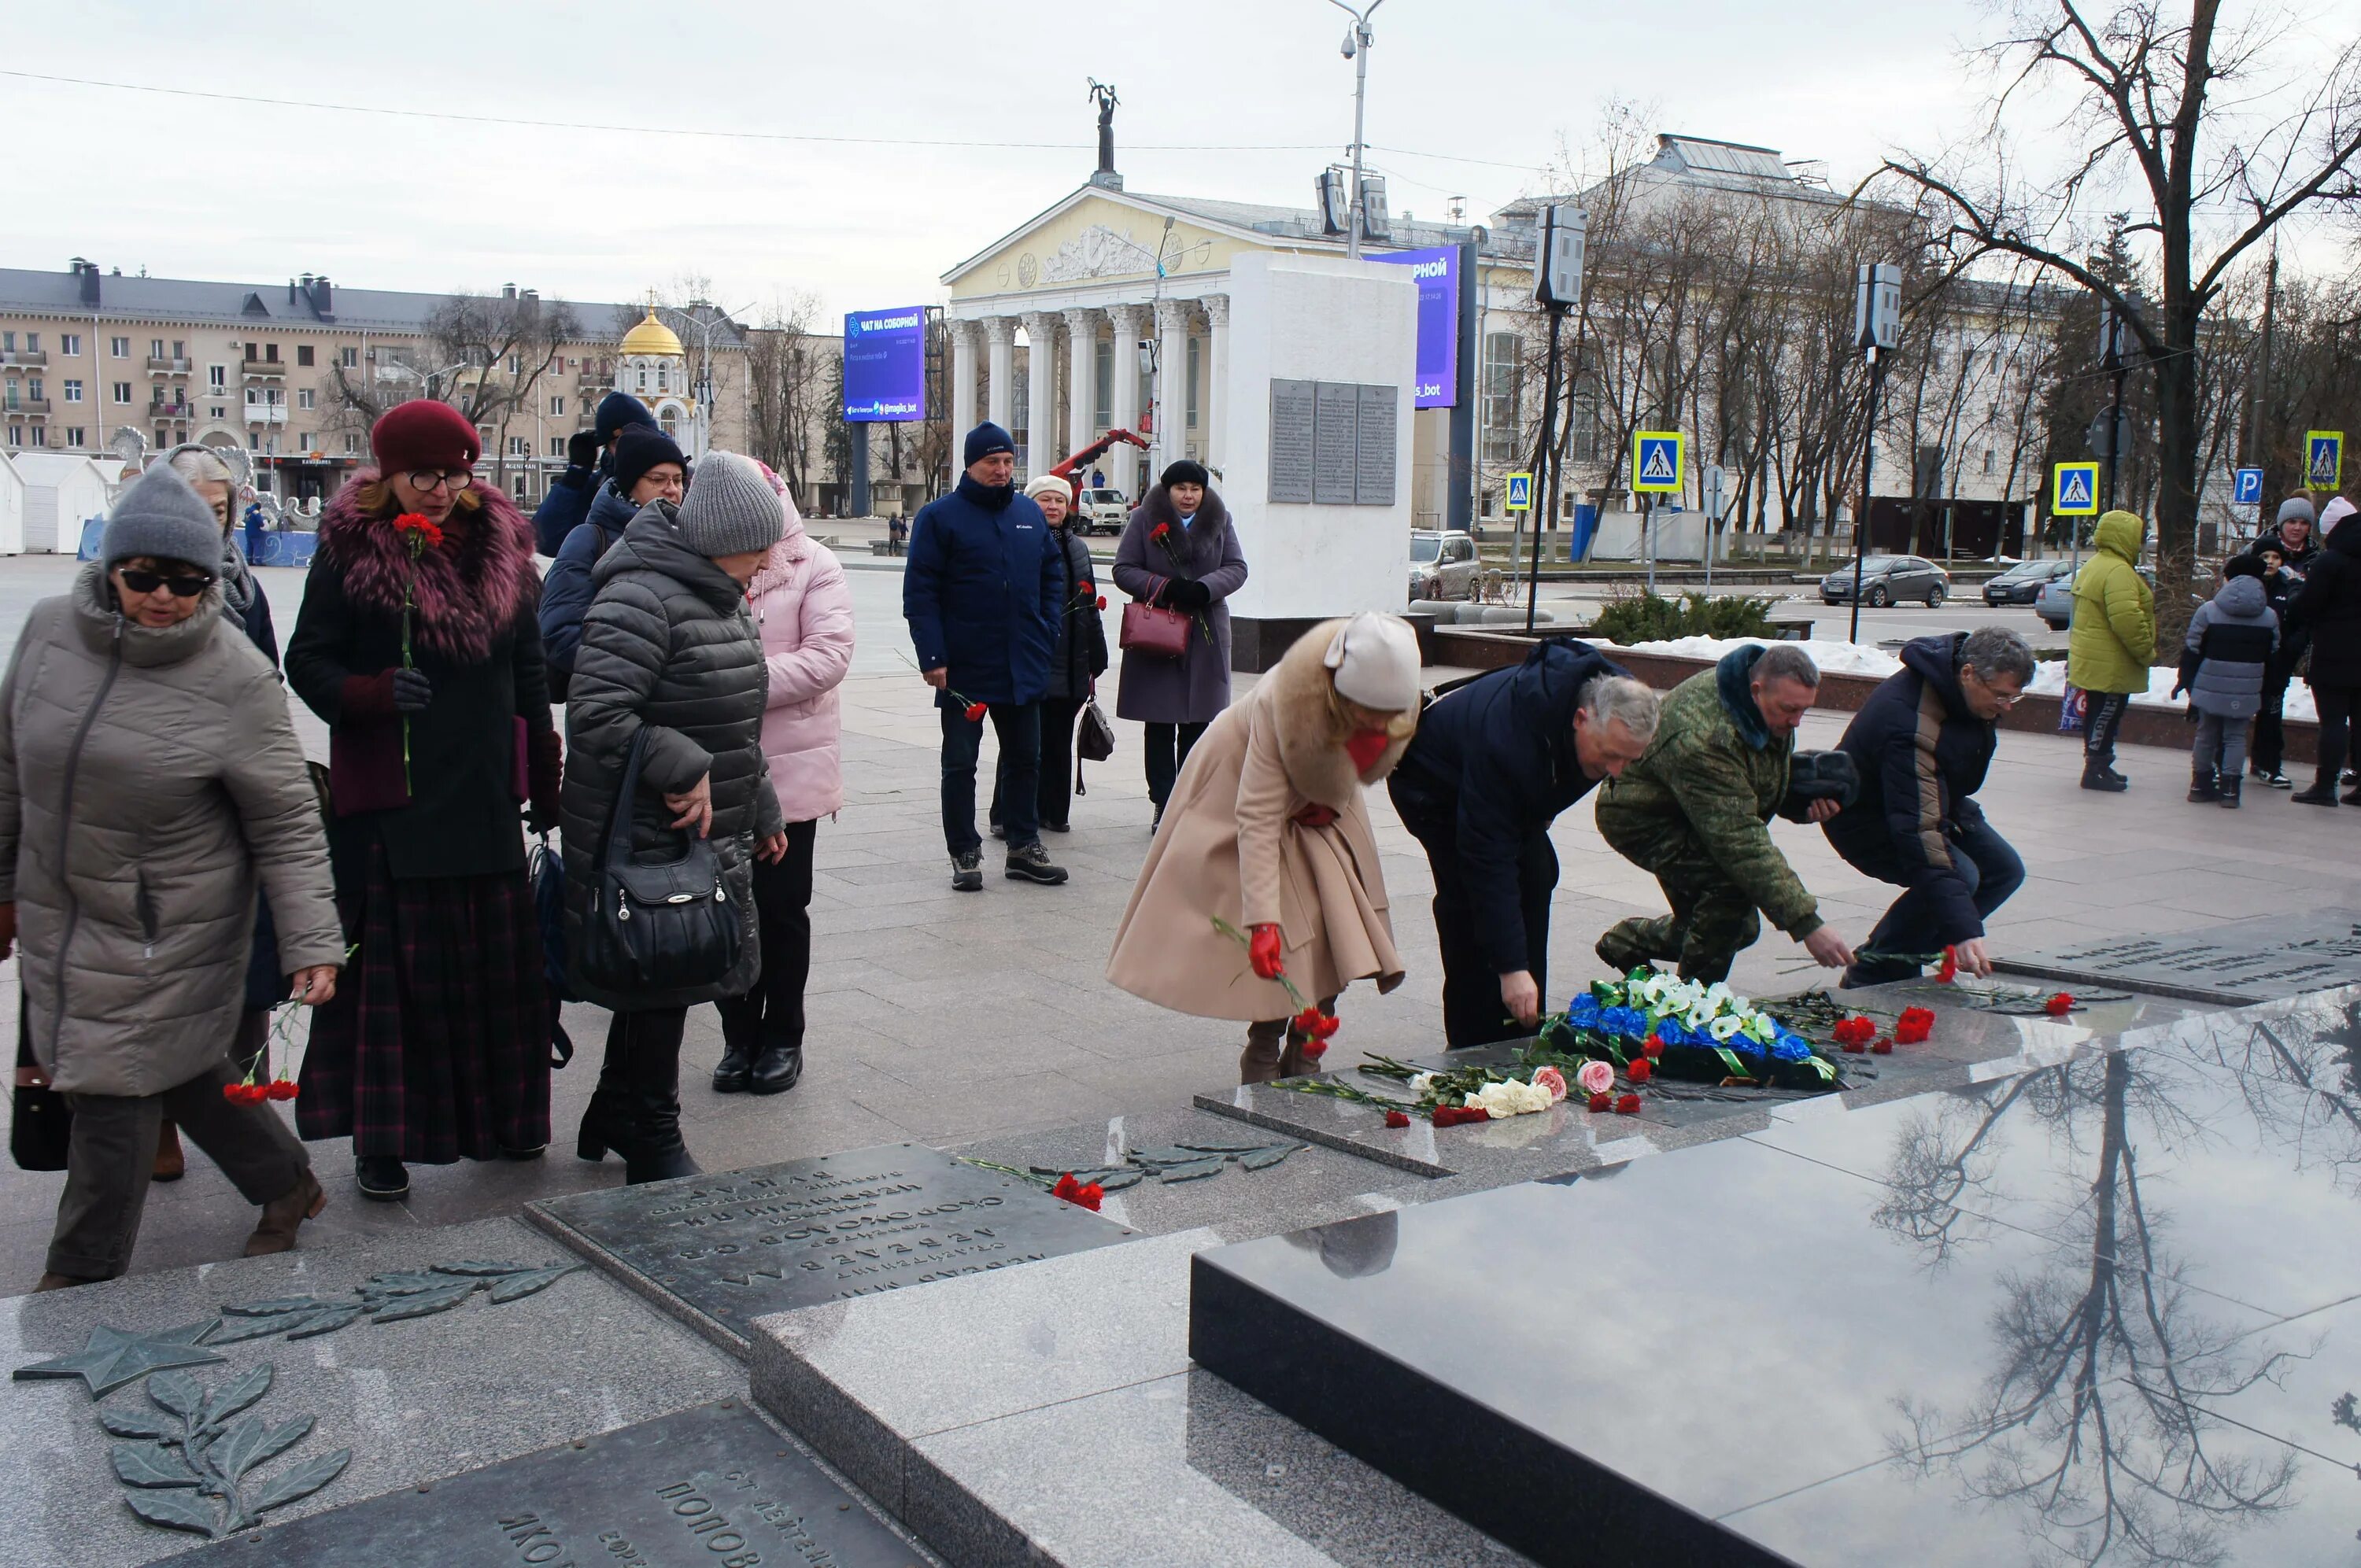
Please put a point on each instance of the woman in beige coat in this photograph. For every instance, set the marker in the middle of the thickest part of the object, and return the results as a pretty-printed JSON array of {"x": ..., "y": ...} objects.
[
  {"x": 149, "y": 779},
  {"x": 1267, "y": 830}
]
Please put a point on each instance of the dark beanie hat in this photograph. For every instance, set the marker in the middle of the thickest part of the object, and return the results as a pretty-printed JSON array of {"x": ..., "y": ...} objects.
[
  {"x": 983, "y": 441},
  {"x": 1185, "y": 472},
  {"x": 619, "y": 410},
  {"x": 424, "y": 434},
  {"x": 637, "y": 450},
  {"x": 2242, "y": 565}
]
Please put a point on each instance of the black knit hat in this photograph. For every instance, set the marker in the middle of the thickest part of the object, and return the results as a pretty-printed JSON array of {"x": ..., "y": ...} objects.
[
  {"x": 618, "y": 411},
  {"x": 982, "y": 442},
  {"x": 639, "y": 449},
  {"x": 1185, "y": 472}
]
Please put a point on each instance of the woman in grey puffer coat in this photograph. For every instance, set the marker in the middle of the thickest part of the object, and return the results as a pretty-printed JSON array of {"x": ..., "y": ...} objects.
[
  {"x": 150, "y": 778},
  {"x": 668, "y": 648},
  {"x": 2223, "y": 664}
]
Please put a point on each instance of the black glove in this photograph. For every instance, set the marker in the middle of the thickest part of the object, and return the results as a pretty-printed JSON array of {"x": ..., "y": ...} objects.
[
  {"x": 411, "y": 691},
  {"x": 1183, "y": 595},
  {"x": 582, "y": 449}
]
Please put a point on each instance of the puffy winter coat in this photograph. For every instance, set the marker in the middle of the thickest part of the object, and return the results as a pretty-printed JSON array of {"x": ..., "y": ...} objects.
[
  {"x": 1921, "y": 753},
  {"x": 1492, "y": 765},
  {"x": 803, "y": 612},
  {"x": 1714, "y": 775},
  {"x": 667, "y": 648},
  {"x": 2229, "y": 650},
  {"x": 2113, "y": 638},
  {"x": 148, "y": 777},
  {"x": 1194, "y": 687},
  {"x": 1079, "y": 656},
  {"x": 2328, "y": 606},
  {"x": 983, "y": 591},
  {"x": 563, "y": 509},
  {"x": 569, "y": 585}
]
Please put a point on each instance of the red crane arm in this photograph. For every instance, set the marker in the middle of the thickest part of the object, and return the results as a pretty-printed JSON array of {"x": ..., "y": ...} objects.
[{"x": 1095, "y": 450}]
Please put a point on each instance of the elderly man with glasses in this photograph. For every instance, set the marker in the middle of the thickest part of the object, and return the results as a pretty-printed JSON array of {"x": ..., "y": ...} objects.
[{"x": 1921, "y": 744}]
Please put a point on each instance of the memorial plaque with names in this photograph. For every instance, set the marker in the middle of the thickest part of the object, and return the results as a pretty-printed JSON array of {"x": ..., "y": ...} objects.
[
  {"x": 712, "y": 1486},
  {"x": 2246, "y": 961},
  {"x": 1336, "y": 442},
  {"x": 1291, "y": 416},
  {"x": 1373, "y": 477},
  {"x": 720, "y": 1250}
]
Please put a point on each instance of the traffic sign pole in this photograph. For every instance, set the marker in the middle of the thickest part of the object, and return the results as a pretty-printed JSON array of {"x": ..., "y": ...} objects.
[
  {"x": 1868, "y": 459},
  {"x": 1545, "y": 470},
  {"x": 1876, "y": 327}
]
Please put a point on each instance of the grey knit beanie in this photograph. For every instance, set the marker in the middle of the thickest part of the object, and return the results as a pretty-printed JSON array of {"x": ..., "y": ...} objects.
[
  {"x": 729, "y": 508},
  {"x": 158, "y": 514},
  {"x": 2296, "y": 507}
]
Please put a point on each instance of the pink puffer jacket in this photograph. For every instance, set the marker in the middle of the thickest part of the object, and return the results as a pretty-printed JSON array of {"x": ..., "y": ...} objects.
[{"x": 803, "y": 609}]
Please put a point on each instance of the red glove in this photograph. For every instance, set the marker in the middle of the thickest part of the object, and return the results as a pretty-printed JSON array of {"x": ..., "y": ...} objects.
[
  {"x": 1263, "y": 952},
  {"x": 545, "y": 764}
]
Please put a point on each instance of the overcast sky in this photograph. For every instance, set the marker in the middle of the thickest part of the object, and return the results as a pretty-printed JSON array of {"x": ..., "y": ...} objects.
[{"x": 1475, "y": 92}]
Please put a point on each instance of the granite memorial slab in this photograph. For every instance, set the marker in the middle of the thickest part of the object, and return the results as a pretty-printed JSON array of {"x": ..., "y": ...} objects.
[
  {"x": 721, "y": 1250},
  {"x": 2037, "y": 1318},
  {"x": 2242, "y": 962},
  {"x": 716, "y": 1486}
]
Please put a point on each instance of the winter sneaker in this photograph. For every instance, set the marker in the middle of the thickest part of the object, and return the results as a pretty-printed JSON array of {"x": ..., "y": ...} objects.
[
  {"x": 2229, "y": 792},
  {"x": 2274, "y": 778},
  {"x": 2321, "y": 794},
  {"x": 2203, "y": 786},
  {"x": 2103, "y": 779},
  {"x": 1030, "y": 863},
  {"x": 967, "y": 872}
]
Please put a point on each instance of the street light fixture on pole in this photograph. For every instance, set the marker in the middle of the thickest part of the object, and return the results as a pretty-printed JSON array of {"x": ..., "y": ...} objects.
[
  {"x": 1357, "y": 40},
  {"x": 1876, "y": 332}
]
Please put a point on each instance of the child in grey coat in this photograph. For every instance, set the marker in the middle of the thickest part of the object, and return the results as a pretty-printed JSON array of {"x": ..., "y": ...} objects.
[{"x": 2224, "y": 665}]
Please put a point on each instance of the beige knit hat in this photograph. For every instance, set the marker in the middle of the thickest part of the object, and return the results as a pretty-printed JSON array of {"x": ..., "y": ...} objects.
[
  {"x": 1376, "y": 661},
  {"x": 1047, "y": 483}
]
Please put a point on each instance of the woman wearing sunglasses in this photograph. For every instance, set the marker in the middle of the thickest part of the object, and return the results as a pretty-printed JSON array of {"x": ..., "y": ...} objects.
[
  {"x": 419, "y": 643},
  {"x": 150, "y": 778}
]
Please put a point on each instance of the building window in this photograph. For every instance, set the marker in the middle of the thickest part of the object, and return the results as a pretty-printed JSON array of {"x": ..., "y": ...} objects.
[
  {"x": 348, "y": 357},
  {"x": 33, "y": 388},
  {"x": 74, "y": 436},
  {"x": 16, "y": 435},
  {"x": 557, "y": 408},
  {"x": 7, "y": 342},
  {"x": 1194, "y": 346},
  {"x": 33, "y": 345},
  {"x": 70, "y": 343},
  {"x": 40, "y": 432},
  {"x": 558, "y": 446},
  {"x": 180, "y": 348},
  {"x": 352, "y": 441},
  {"x": 217, "y": 378},
  {"x": 1499, "y": 405},
  {"x": 123, "y": 391},
  {"x": 1991, "y": 461},
  {"x": 155, "y": 349},
  {"x": 306, "y": 398},
  {"x": 73, "y": 390},
  {"x": 519, "y": 446},
  {"x": 120, "y": 347},
  {"x": 302, "y": 354},
  {"x": 218, "y": 411}
]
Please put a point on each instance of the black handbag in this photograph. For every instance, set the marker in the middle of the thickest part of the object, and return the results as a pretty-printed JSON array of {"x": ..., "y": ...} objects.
[
  {"x": 654, "y": 926},
  {"x": 1094, "y": 740},
  {"x": 41, "y": 1126}
]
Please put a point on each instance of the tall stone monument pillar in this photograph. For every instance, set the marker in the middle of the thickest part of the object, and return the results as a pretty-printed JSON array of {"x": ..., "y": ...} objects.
[
  {"x": 1040, "y": 394},
  {"x": 999, "y": 370},
  {"x": 1081, "y": 383},
  {"x": 962, "y": 385},
  {"x": 1123, "y": 462}
]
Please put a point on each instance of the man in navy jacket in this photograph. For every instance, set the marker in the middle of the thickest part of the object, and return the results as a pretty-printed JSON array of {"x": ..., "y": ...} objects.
[
  {"x": 588, "y": 453},
  {"x": 1493, "y": 765},
  {"x": 984, "y": 593},
  {"x": 1921, "y": 744}
]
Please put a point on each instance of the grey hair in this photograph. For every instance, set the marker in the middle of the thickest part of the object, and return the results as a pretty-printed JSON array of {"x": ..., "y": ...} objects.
[
  {"x": 1620, "y": 697},
  {"x": 1992, "y": 651},
  {"x": 199, "y": 466},
  {"x": 1786, "y": 662}
]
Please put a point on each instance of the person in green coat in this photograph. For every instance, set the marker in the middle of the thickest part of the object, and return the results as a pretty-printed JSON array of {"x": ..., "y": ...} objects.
[
  {"x": 1696, "y": 811},
  {"x": 2113, "y": 642}
]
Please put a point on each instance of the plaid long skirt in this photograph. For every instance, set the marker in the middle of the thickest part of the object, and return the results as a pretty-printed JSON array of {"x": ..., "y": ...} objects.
[{"x": 436, "y": 1046}]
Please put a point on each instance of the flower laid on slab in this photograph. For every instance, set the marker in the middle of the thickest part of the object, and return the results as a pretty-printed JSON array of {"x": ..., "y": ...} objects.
[
  {"x": 1549, "y": 1078},
  {"x": 1397, "y": 1118},
  {"x": 1628, "y": 1106},
  {"x": 1882, "y": 1047},
  {"x": 1640, "y": 1071},
  {"x": 1602, "y": 1101},
  {"x": 2058, "y": 1005},
  {"x": 1915, "y": 1027},
  {"x": 1686, "y": 1029},
  {"x": 1855, "y": 1033},
  {"x": 1511, "y": 1098},
  {"x": 1082, "y": 1194},
  {"x": 1596, "y": 1078},
  {"x": 1458, "y": 1115}
]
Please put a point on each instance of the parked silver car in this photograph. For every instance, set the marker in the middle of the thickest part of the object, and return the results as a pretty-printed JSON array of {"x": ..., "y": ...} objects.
[
  {"x": 1886, "y": 578},
  {"x": 2056, "y": 604},
  {"x": 1443, "y": 566}
]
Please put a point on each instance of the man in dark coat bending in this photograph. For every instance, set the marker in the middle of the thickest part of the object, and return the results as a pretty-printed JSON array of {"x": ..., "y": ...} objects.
[
  {"x": 1491, "y": 766},
  {"x": 1921, "y": 744}
]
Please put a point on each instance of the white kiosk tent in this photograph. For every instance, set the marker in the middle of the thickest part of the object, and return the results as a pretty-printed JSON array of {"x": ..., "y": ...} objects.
[
  {"x": 62, "y": 492},
  {"x": 11, "y": 508}
]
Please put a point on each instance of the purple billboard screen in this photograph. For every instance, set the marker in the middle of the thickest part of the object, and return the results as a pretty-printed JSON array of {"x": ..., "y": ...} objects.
[
  {"x": 1437, "y": 272},
  {"x": 886, "y": 366}
]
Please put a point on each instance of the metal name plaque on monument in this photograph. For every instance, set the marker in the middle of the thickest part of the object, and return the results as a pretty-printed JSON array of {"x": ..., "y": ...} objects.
[
  {"x": 1336, "y": 442},
  {"x": 719, "y": 1251},
  {"x": 1291, "y": 440},
  {"x": 712, "y": 1486},
  {"x": 1373, "y": 450},
  {"x": 2246, "y": 960}
]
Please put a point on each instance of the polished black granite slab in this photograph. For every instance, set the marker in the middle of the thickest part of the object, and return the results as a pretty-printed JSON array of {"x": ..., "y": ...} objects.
[
  {"x": 2243, "y": 961},
  {"x": 2106, "y": 1310},
  {"x": 721, "y": 1250},
  {"x": 715, "y": 1485}
]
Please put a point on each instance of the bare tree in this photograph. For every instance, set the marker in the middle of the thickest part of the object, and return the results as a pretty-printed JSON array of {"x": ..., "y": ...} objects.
[
  {"x": 787, "y": 381},
  {"x": 483, "y": 353}
]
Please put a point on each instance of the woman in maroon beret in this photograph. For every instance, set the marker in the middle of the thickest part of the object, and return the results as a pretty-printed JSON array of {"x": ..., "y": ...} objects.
[{"x": 419, "y": 643}]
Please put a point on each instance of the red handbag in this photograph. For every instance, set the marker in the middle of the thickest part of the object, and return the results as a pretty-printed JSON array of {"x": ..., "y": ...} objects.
[{"x": 1157, "y": 633}]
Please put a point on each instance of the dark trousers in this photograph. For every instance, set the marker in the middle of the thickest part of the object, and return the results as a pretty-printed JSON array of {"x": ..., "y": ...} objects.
[
  {"x": 1168, "y": 748},
  {"x": 2270, "y": 749},
  {"x": 1018, "y": 727},
  {"x": 2105, "y": 716},
  {"x": 1472, "y": 1013},
  {"x": 1987, "y": 865},
  {"x": 772, "y": 1012},
  {"x": 1056, "y": 794},
  {"x": 112, "y": 1155},
  {"x": 2336, "y": 705}
]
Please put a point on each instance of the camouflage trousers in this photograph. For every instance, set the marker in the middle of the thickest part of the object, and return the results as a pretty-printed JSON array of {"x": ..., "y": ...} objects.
[{"x": 1712, "y": 921}]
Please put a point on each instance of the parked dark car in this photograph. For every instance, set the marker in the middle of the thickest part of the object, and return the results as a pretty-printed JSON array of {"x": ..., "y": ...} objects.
[
  {"x": 2022, "y": 583},
  {"x": 1886, "y": 578}
]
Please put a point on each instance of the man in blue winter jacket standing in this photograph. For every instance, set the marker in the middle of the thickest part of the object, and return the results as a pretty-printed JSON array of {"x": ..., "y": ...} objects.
[
  {"x": 1493, "y": 765},
  {"x": 984, "y": 593},
  {"x": 587, "y": 455}
]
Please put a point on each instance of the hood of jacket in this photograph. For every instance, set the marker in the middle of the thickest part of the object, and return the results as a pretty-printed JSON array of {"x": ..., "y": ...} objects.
[
  {"x": 779, "y": 566},
  {"x": 98, "y": 622},
  {"x": 652, "y": 544},
  {"x": 2242, "y": 596},
  {"x": 1936, "y": 661},
  {"x": 1733, "y": 677},
  {"x": 2343, "y": 535},
  {"x": 2119, "y": 533},
  {"x": 464, "y": 595},
  {"x": 1317, "y": 763}
]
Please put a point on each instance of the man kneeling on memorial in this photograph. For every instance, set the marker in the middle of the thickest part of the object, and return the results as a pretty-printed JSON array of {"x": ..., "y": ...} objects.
[
  {"x": 1696, "y": 811},
  {"x": 1493, "y": 763},
  {"x": 1921, "y": 743}
]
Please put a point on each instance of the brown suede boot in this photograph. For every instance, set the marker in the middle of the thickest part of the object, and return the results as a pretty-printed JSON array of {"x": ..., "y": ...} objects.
[
  {"x": 281, "y": 1215},
  {"x": 60, "y": 1282},
  {"x": 170, "y": 1163}
]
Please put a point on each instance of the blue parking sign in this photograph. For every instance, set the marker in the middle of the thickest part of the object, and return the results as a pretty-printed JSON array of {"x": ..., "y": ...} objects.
[{"x": 2247, "y": 487}]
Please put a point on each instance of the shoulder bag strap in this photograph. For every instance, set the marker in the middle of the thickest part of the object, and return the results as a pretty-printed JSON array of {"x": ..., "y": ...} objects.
[{"x": 616, "y": 852}]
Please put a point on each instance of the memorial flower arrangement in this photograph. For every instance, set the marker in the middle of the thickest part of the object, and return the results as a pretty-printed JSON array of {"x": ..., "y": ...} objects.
[{"x": 1654, "y": 1022}]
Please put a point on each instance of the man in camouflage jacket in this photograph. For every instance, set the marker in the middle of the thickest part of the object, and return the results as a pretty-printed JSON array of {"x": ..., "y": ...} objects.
[{"x": 1696, "y": 811}]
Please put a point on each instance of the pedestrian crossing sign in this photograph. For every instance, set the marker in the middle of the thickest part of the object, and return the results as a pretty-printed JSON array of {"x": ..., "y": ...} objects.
[
  {"x": 1520, "y": 493},
  {"x": 1656, "y": 460},
  {"x": 2074, "y": 489},
  {"x": 2323, "y": 459}
]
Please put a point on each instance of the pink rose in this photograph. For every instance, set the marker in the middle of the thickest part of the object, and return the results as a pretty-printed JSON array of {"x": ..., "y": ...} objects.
[
  {"x": 1595, "y": 1077},
  {"x": 1549, "y": 1078}
]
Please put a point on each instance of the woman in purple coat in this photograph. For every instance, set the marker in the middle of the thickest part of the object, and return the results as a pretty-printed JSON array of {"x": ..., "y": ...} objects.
[{"x": 1179, "y": 551}]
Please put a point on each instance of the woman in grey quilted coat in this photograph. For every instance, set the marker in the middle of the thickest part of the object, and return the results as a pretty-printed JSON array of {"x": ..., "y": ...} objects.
[
  {"x": 669, "y": 651},
  {"x": 149, "y": 780}
]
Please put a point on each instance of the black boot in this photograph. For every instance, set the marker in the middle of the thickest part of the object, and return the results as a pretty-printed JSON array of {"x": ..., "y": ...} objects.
[
  {"x": 778, "y": 1068},
  {"x": 2322, "y": 793},
  {"x": 2099, "y": 776},
  {"x": 2231, "y": 784},
  {"x": 737, "y": 1052},
  {"x": 604, "y": 1123},
  {"x": 654, "y": 1151},
  {"x": 2203, "y": 785}
]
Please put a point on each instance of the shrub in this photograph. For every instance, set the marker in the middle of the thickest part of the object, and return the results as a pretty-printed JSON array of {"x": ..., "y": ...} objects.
[{"x": 1650, "y": 618}]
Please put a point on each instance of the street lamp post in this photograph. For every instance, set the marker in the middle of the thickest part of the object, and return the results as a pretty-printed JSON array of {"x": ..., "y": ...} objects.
[{"x": 1357, "y": 40}]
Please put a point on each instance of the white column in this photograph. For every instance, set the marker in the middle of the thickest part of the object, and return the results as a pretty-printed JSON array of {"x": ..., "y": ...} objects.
[
  {"x": 1082, "y": 382},
  {"x": 1040, "y": 394},
  {"x": 1213, "y": 405},
  {"x": 962, "y": 379},
  {"x": 1128, "y": 321},
  {"x": 999, "y": 367},
  {"x": 1172, "y": 382}
]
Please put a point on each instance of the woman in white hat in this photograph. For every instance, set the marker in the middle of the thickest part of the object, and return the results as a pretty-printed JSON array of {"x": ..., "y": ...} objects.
[{"x": 1266, "y": 831}]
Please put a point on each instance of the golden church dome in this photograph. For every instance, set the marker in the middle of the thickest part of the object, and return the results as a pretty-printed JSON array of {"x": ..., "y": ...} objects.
[{"x": 653, "y": 337}]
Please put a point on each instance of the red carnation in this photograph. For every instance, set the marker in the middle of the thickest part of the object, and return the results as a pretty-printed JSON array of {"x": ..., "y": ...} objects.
[
  {"x": 1914, "y": 1027},
  {"x": 281, "y": 1088},
  {"x": 1950, "y": 969},
  {"x": 1397, "y": 1119},
  {"x": 2060, "y": 1005},
  {"x": 418, "y": 531},
  {"x": 1640, "y": 1071},
  {"x": 1085, "y": 1195},
  {"x": 1629, "y": 1105},
  {"x": 1307, "y": 1022},
  {"x": 1881, "y": 1047},
  {"x": 1652, "y": 1046},
  {"x": 1102, "y": 601},
  {"x": 1854, "y": 1032},
  {"x": 1161, "y": 531},
  {"x": 1328, "y": 1024},
  {"x": 1851, "y": 1048},
  {"x": 1602, "y": 1101},
  {"x": 1454, "y": 1115},
  {"x": 975, "y": 711},
  {"x": 1311, "y": 1049}
]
